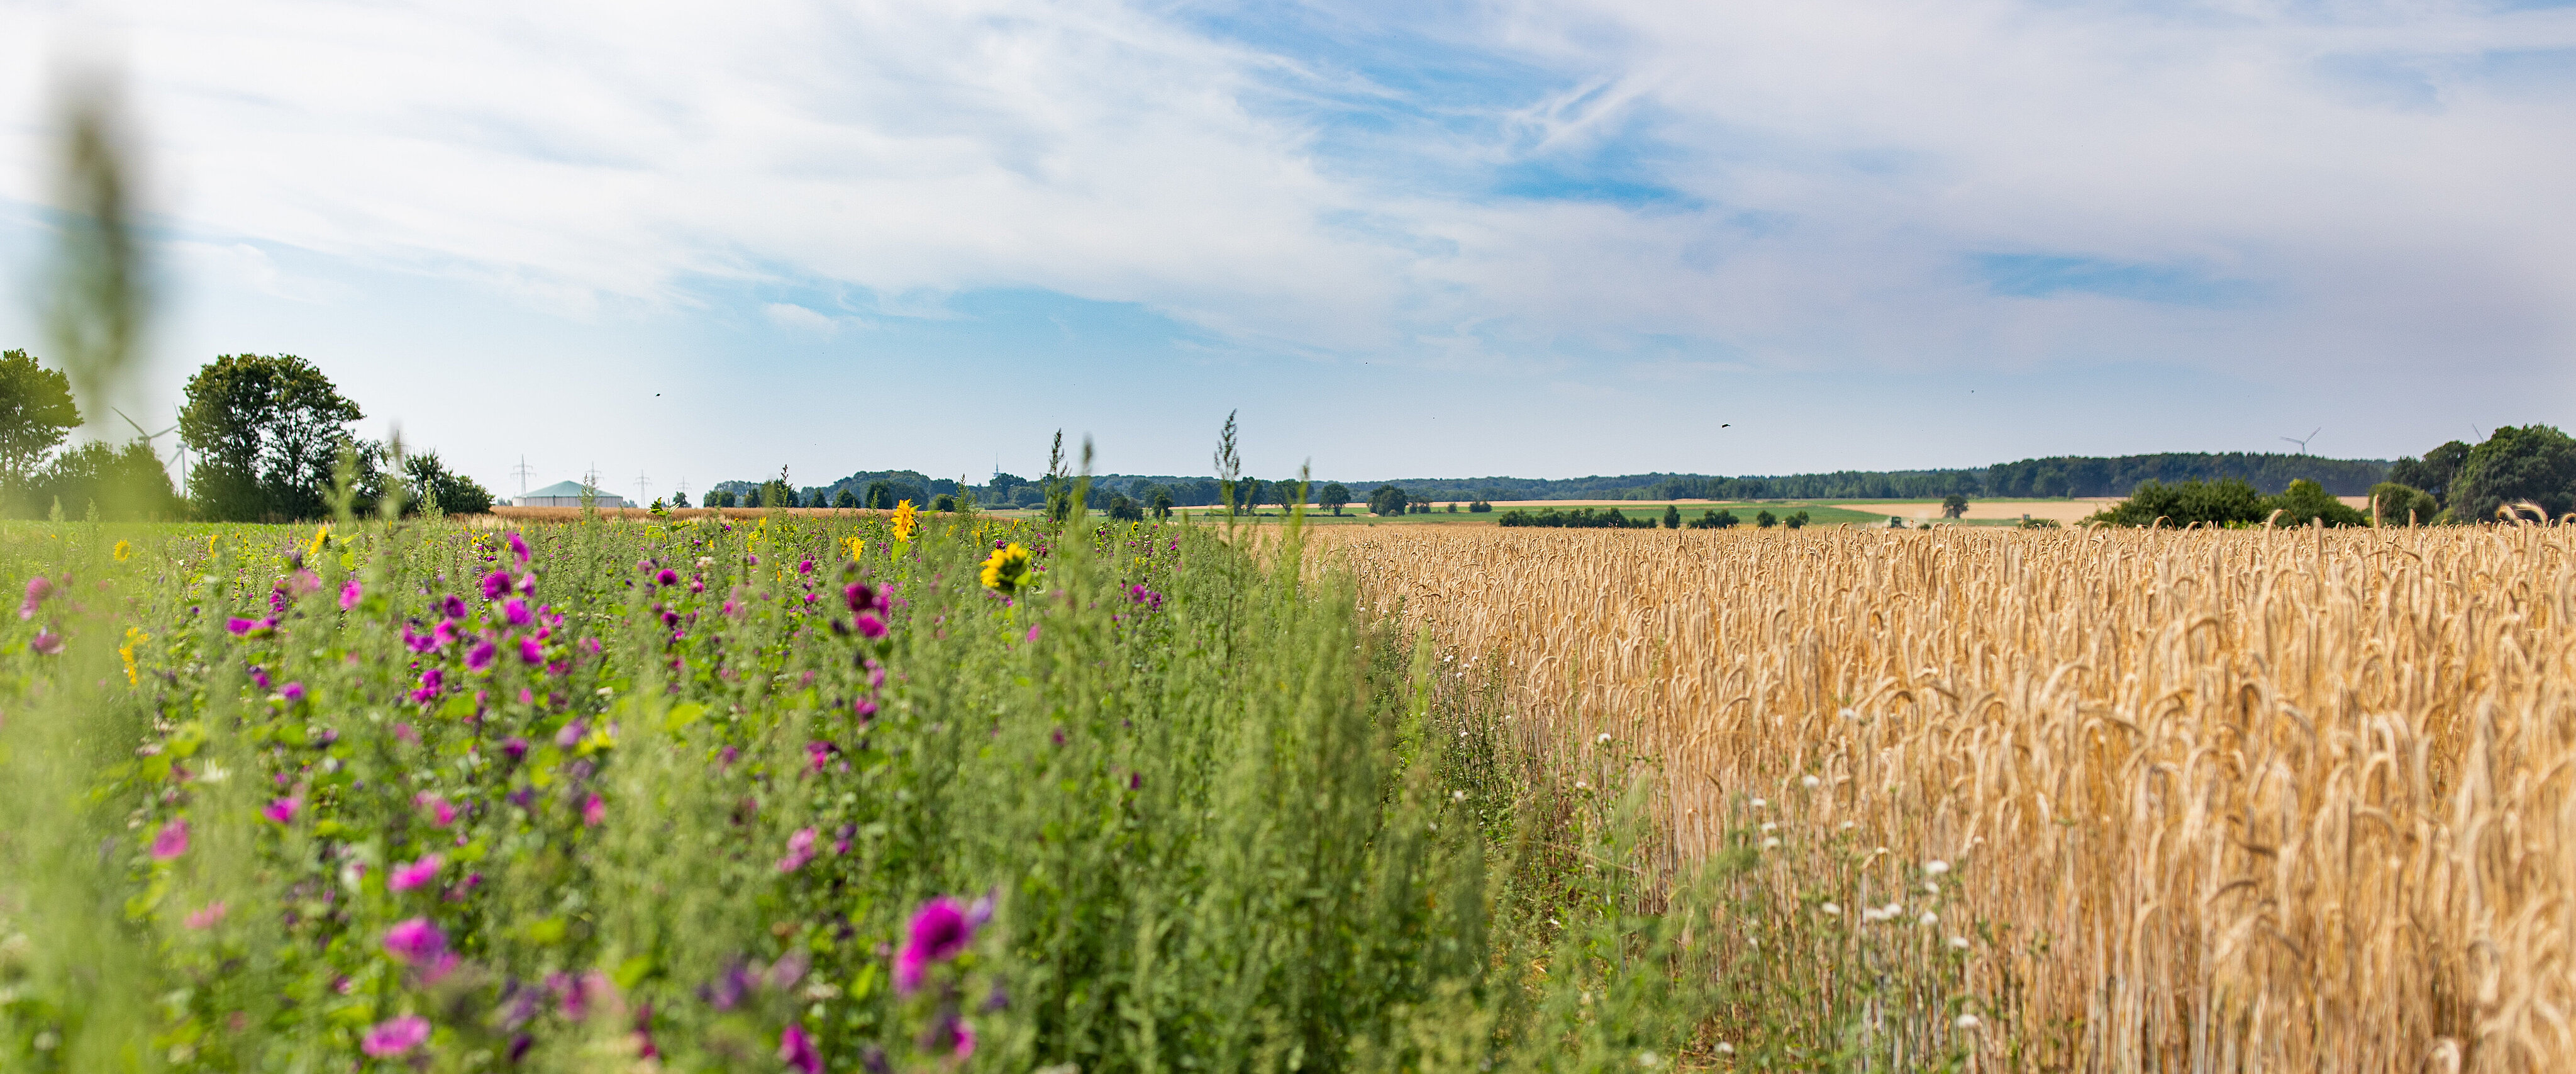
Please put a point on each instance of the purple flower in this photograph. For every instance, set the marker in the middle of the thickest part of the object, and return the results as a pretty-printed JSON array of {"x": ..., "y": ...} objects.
[
  {"x": 797, "y": 1050},
  {"x": 519, "y": 547},
  {"x": 236, "y": 624},
  {"x": 869, "y": 626},
  {"x": 171, "y": 841},
  {"x": 666, "y": 576},
  {"x": 441, "y": 813},
  {"x": 940, "y": 930},
  {"x": 47, "y": 642},
  {"x": 594, "y": 812},
  {"x": 495, "y": 584},
  {"x": 819, "y": 754},
  {"x": 569, "y": 735},
  {"x": 281, "y": 810},
  {"x": 1033, "y": 632},
  {"x": 729, "y": 988},
  {"x": 349, "y": 595},
  {"x": 407, "y": 877},
  {"x": 805, "y": 566},
  {"x": 444, "y": 635},
  {"x": 38, "y": 588},
  {"x": 417, "y": 642},
  {"x": 949, "y": 1033},
  {"x": 293, "y": 693},
  {"x": 415, "y": 942},
  {"x": 395, "y": 1036},
  {"x": 451, "y": 606},
  {"x": 800, "y": 849},
  {"x": 515, "y": 748},
  {"x": 516, "y": 611},
  {"x": 481, "y": 656},
  {"x": 531, "y": 651}
]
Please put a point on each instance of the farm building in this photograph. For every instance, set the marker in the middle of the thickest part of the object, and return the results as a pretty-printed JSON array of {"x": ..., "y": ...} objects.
[{"x": 568, "y": 494}]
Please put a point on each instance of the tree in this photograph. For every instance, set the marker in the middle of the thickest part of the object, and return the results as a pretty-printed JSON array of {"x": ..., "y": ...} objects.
[
  {"x": 1714, "y": 519},
  {"x": 2400, "y": 505},
  {"x": 2306, "y": 501},
  {"x": 880, "y": 496},
  {"x": 1002, "y": 484},
  {"x": 1249, "y": 494},
  {"x": 2434, "y": 472},
  {"x": 268, "y": 431},
  {"x": 943, "y": 502},
  {"x": 1795, "y": 521},
  {"x": 430, "y": 482},
  {"x": 1672, "y": 517},
  {"x": 1125, "y": 510},
  {"x": 720, "y": 498},
  {"x": 36, "y": 413},
  {"x": 1765, "y": 519},
  {"x": 1480, "y": 507},
  {"x": 2535, "y": 463},
  {"x": 2182, "y": 503},
  {"x": 1334, "y": 497},
  {"x": 1287, "y": 494},
  {"x": 1386, "y": 500},
  {"x": 845, "y": 499},
  {"x": 1162, "y": 502},
  {"x": 679, "y": 499},
  {"x": 118, "y": 483},
  {"x": 1954, "y": 506}
]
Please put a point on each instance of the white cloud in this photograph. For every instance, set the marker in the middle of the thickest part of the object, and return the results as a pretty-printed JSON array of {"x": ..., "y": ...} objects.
[
  {"x": 1836, "y": 161},
  {"x": 789, "y": 315}
]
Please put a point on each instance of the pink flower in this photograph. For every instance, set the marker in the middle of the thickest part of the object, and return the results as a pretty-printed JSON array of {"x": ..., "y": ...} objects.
[
  {"x": 415, "y": 942},
  {"x": 496, "y": 584},
  {"x": 440, "y": 812},
  {"x": 206, "y": 918},
  {"x": 1033, "y": 632},
  {"x": 282, "y": 810},
  {"x": 47, "y": 642},
  {"x": 940, "y": 930},
  {"x": 532, "y": 651},
  {"x": 481, "y": 656},
  {"x": 395, "y": 1036},
  {"x": 516, "y": 611},
  {"x": 805, "y": 566},
  {"x": 950, "y": 1034},
  {"x": 594, "y": 812},
  {"x": 869, "y": 626},
  {"x": 407, "y": 877},
  {"x": 666, "y": 576},
  {"x": 171, "y": 841},
  {"x": 38, "y": 588},
  {"x": 800, "y": 849},
  {"x": 293, "y": 693},
  {"x": 349, "y": 595},
  {"x": 519, "y": 547},
  {"x": 797, "y": 1050}
]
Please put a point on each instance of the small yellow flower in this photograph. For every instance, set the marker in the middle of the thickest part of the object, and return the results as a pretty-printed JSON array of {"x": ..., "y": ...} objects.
[
  {"x": 133, "y": 637},
  {"x": 906, "y": 519},
  {"x": 319, "y": 536},
  {"x": 124, "y": 551},
  {"x": 1007, "y": 570},
  {"x": 858, "y": 548}
]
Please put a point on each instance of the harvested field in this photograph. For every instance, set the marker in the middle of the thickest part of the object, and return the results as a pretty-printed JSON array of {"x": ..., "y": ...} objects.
[{"x": 2289, "y": 800}]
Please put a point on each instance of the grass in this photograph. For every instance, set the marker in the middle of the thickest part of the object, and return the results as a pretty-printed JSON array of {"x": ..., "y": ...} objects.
[
  {"x": 2242, "y": 800},
  {"x": 1217, "y": 818}
]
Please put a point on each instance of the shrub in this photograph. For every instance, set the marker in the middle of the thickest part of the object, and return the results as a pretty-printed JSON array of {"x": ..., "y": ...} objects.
[{"x": 2216, "y": 503}]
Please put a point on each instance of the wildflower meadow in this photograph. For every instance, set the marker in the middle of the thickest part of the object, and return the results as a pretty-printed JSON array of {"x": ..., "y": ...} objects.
[{"x": 902, "y": 792}]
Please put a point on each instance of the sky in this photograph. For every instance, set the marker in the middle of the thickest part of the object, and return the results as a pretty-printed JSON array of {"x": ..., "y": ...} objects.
[{"x": 687, "y": 243}]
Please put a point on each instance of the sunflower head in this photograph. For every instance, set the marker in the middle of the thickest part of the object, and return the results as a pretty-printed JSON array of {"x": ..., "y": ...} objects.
[
  {"x": 1006, "y": 571},
  {"x": 906, "y": 519}
]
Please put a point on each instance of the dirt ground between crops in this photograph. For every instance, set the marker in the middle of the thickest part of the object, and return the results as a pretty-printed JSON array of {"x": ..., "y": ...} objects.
[{"x": 2065, "y": 511}]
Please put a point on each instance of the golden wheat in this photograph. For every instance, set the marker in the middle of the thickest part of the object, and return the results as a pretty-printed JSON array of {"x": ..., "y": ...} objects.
[{"x": 2218, "y": 800}]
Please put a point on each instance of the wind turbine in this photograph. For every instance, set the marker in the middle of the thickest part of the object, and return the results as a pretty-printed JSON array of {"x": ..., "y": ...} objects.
[
  {"x": 2303, "y": 441},
  {"x": 147, "y": 438}
]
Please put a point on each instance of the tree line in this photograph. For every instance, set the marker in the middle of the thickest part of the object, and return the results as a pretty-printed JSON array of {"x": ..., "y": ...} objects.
[
  {"x": 2513, "y": 472},
  {"x": 267, "y": 438}
]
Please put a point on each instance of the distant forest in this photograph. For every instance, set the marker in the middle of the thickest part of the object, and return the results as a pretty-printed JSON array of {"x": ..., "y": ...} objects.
[{"x": 2064, "y": 475}]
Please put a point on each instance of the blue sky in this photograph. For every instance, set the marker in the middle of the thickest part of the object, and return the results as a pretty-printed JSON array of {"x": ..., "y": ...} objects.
[{"x": 683, "y": 244}]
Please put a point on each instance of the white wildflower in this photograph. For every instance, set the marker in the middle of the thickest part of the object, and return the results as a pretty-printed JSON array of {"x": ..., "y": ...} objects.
[
  {"x": 1959, "y": 942},
  {"x": 1812, "y": 782},
  {"x": 1604, "y": 739},
  {"x": 1769, "y": 825},
  {"x": 1831, "y": 910},
  {"x": 1967, "y": 1021},
  {"x": 1936, "y": 867},
  {"x": 1723, "y": 1048},
  {"x": 1929, "y": 919},
  {"x": 1759, "y": 803},
  {"x": 1648, "y": 1059},
  {"x": 1770, "y": 843},
  {"x": 1457, "y": 796}
]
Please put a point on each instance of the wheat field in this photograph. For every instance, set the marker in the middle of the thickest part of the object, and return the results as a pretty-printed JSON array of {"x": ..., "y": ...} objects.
[{"x": 2179, "y": 800}]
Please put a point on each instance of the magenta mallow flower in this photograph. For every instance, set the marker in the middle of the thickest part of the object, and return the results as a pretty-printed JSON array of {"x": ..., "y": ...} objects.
[
  {"x": 416, "y": 942},
  {"x": 349, "y": 594},
  {"x": 205, "y": 918},
  {"x": 407, "y": 877},
  {"x": 38, "y": 588},
  {"x": 440, "y": 813},
  {"x": 481, "y": 656},
  {"x": 800, "y": 849},
  {"x": 805, "y": 566},
  {"x": 281, "y": 810},
  {"x": 519, "y": 547},
  {"x": 293, "y": 692},
  {"x": 451, "y": 606},
  {"x": 171, "y": 841},
  {"x": 496, "y": 584},
  {"x": 951, "y": 1034},
  {"x": 869, "y": 626},
  {"x": 797, "y": 1050},
  {"x": 236, "y": 624},
  {"x": 516, "y": 611},
  {"x": 396, "y": 1036},
  {"x": 667, "y": 576},
  {"x": 532, "y": 651},
  {"x": 941, "y": 929}
]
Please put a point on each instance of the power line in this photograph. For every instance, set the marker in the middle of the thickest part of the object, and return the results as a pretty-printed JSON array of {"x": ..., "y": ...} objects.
[{"x": 523, "y": 471}]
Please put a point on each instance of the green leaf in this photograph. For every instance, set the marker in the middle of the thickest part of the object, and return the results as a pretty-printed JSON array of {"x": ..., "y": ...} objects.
[
  {"x": 631, "y": 972},
  {"x": 683, "y": 715},
  {"x": 548, "y": 931}
]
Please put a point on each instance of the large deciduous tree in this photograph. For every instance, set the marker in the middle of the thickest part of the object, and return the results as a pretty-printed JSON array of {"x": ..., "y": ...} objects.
[
  {"x": 1334, "y": 497},
  {"x": 2534, "y": 464},
  {"x": 36, "y": 412},
  {"x": 267, "y": 430}
]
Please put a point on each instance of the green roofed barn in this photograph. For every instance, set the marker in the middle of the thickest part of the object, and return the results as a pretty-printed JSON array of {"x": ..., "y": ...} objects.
[{"x": 568, "y": 494}]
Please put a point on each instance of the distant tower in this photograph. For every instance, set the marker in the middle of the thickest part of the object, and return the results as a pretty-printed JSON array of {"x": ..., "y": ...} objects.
[
  {"x": 643, "y": 488},
  {"x": 523, "y": 471}
]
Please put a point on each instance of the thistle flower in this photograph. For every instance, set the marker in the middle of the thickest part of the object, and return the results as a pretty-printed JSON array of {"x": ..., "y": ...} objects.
[
  {"x": 47, "y": 642},
  {"x": 396, "y": 1036},
  {"x": 293, "y": 692},
  {"x": 38, "y": 588},
  {"x": 1006, "y": 571},
  {"x": 440, "y": 813},
  {"x": 171, "y": 841},
  {"x": 407, "y": 877}
]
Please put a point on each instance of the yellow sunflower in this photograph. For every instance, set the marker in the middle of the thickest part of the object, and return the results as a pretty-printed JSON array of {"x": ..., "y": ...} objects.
[{"x": 1007, "y": 570}]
